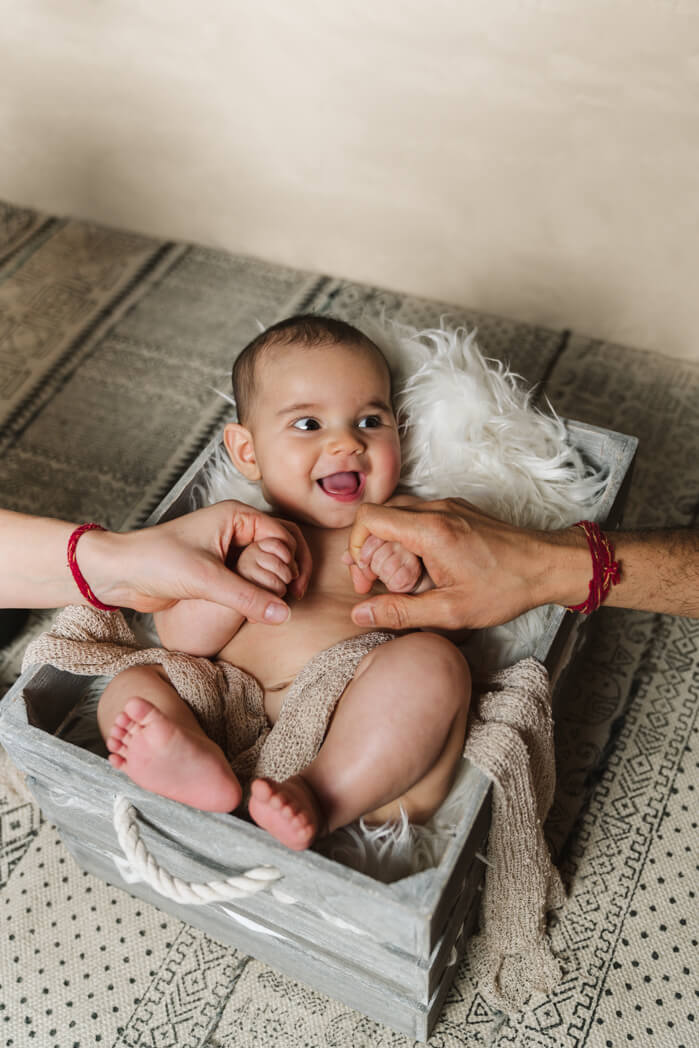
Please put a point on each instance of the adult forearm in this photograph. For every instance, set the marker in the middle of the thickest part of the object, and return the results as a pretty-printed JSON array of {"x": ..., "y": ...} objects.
[
  {"x": 149, "y": 569},
  {"x": 659, "y": 570},
  {"x": 34, "y": 570}
]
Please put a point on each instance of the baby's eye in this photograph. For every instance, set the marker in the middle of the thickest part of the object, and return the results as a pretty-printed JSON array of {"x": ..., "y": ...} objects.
[
  {"x": 306, "y": 424},
  {"x": 369, "y": 422}
]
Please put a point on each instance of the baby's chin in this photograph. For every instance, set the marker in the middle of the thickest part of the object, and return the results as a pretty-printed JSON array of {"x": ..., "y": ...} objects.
[
  {"x": 334, "y": 515},
  {"x": 322, "y": 509},
  {"x": 335, "y": 521}
]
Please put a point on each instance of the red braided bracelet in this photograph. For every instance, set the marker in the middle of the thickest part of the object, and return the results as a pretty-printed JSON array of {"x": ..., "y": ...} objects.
[
  {"x": 605, "y": 570},
  {"x": 80, "y": 580}
]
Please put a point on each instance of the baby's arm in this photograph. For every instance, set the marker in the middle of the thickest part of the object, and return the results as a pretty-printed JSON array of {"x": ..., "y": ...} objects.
[
  {"x": 200, "y": 627},
  {"x": 197, "y": 627}
]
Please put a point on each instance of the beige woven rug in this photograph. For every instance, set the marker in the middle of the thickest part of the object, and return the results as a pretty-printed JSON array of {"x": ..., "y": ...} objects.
[{"x": 110, "y": 347}]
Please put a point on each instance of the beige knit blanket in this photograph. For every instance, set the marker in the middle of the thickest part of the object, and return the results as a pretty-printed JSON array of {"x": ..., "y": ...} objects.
[
  {"x": 510, "y": 738},
  {"x": 227, "y": 702}
]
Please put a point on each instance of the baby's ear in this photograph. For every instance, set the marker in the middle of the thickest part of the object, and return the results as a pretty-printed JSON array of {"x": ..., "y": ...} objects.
[{"x": 240, "y": 447}]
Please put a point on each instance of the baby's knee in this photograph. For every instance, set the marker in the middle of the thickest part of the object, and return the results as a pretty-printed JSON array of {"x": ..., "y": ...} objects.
[
  {"x": 133, "y": 676},
  {"x": 444, "y": 666},
  {"x": 441, "y": 652},
  {"x": 424, "y": 671}
]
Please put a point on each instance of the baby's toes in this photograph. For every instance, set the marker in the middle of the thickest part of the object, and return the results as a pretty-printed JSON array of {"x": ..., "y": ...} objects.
[
  {"x": 117, "y": 733},
  {"x": 122, "y": 722}
]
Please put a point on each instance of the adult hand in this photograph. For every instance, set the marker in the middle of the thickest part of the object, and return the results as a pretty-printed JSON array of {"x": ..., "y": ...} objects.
[
  {"x": 488, "y": 572},
  {"x": 185, "y": 559},
  {"x": 485, "y": 571}
]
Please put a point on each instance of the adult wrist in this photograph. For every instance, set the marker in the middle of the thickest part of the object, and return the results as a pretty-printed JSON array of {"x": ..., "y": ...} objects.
[
  {"x": 562, "y": 560},
  {"x": 99, "y": 561}
]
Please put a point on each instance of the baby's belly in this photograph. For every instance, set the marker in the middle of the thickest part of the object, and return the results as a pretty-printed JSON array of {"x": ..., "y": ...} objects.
[{"x": 274, "y": 655}]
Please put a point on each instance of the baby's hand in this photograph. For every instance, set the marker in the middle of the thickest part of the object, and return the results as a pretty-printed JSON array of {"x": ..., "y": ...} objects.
[
  {"x": 268, "y": 563},
  {"x": 389, "y": 562}
]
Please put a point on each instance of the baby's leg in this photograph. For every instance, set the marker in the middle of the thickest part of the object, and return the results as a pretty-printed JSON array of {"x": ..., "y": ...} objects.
[
  {"x": 154, "y": 737},
  {"x": 395, "y": 738}
]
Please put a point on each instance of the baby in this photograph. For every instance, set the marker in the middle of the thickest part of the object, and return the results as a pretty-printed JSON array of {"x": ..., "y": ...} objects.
[{"x": 318, "y": 433}]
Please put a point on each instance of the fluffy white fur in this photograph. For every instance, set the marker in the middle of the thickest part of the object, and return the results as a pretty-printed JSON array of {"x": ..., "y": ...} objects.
[{"x": 469, "y": 429}]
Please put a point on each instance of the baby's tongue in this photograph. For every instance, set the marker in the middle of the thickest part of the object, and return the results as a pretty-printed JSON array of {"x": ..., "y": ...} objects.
[{"x": 340, "y": 483}]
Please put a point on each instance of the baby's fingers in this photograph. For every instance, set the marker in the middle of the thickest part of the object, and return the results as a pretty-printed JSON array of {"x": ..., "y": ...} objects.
[
  {"x": 398, "y": 569},
  {"x": 362, "y": 574},
  {"x": 266, "y": 580},
  {"x": 369, "y": 549},
  {"x": 362, "y": 578},
  {"x": 404, "y": 579},
  {"x": 269, "y": 580},
  {"x": 270, "y": 563},
  {"x": 265, "y": 569},
  {"x": 280, "y": 550}
]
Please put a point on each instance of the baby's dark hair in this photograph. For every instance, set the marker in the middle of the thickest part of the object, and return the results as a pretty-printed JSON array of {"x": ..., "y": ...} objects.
[{"x": 305, "y": 329}]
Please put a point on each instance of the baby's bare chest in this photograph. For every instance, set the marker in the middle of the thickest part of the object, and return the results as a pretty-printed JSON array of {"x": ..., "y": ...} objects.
[{"x": 274, "y": 655}]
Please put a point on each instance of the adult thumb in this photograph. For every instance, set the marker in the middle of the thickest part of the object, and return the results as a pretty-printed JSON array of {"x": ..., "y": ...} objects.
[
  {"x": 255, "y": 603},
  {"x": 401, "y": 612}
]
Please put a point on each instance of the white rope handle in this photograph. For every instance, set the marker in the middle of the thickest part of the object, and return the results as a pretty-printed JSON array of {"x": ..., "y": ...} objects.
[{"x": 143, "y": 863}]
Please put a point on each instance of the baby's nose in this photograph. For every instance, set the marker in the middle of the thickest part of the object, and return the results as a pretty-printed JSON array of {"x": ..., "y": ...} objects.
[{"x": 345, "y": 440}]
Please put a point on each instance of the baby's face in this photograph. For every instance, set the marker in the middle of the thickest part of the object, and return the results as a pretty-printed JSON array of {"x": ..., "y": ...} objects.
[{"x": 324, "y": 433}]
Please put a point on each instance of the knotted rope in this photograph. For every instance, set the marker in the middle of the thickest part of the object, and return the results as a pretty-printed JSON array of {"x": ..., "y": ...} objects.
[{"x": 143, "y": 863}]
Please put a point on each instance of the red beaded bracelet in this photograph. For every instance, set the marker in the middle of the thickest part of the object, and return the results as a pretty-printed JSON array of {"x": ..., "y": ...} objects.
[
  {"x": 605, "y": 570},
  {"x": 80, "y": 580}
]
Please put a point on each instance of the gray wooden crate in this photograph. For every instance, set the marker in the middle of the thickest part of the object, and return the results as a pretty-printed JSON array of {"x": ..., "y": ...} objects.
[{"x": 389, "y": 950}]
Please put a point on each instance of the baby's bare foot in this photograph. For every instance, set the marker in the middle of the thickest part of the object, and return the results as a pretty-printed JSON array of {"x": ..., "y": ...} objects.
[
  {"x": 161, "y": 756},
  {"x": 288, "y": 810}
]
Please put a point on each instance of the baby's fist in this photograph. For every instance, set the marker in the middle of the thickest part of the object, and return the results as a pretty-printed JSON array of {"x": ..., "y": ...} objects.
[
  {"x": 268, "y": 563},
  {"x": 391, "y": 563}
]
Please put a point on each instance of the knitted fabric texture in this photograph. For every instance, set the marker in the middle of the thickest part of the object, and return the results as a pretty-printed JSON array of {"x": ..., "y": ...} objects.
[
  {"x": 228, "y": 703},
  {"x": 510, "y": 738}
]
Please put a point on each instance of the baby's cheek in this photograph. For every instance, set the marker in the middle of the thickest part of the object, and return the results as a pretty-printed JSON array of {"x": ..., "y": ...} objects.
[{"x": 389, "y": 467}]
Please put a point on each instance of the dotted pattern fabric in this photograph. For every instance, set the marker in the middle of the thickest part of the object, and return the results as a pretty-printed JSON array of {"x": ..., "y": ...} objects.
[
  {"x": 82, "y": 964},
  {"x": 76, "y": 960}
]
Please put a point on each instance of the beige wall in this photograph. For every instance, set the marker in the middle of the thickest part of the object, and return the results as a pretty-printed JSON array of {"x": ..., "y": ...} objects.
[{"x": 537, "y": 158}]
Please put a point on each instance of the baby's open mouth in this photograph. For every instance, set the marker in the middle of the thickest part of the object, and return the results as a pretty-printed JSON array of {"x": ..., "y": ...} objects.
[{"x": 343, "y": 486}]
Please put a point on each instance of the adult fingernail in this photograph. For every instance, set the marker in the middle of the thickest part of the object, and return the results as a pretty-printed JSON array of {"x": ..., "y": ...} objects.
[
  {"x": 364, "y": 615},
  {"x": 276, "y": 613}
]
